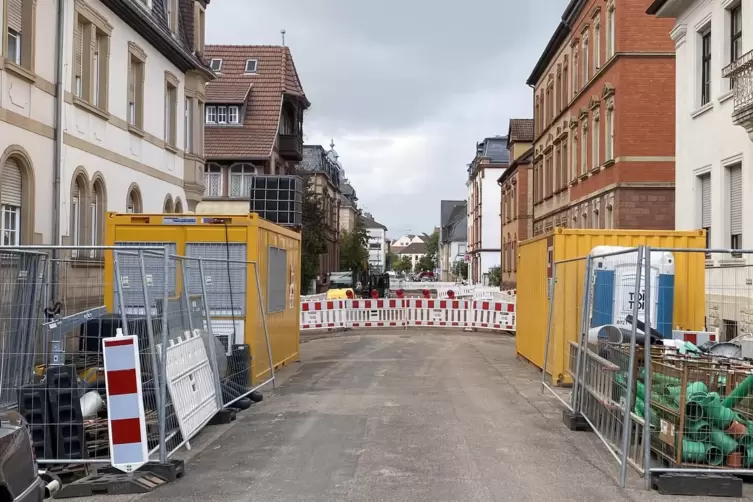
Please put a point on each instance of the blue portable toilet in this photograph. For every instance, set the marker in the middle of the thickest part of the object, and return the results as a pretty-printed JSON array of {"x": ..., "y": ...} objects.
[{"x": 614, "y": 289}]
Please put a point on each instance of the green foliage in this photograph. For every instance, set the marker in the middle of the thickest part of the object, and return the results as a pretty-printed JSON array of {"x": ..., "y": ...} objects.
[
  {"x": 494, "y": 276},
  {"x": 354, "y": 253},
  {"x": 391, "y": 259},
  {"x": 313, "y": 237},
  {"x": 460, "y": 269},
  {"x": 402, "y": 264},
  {"x": 426, "y": 263},
  {"x": 432, "y": 248}
]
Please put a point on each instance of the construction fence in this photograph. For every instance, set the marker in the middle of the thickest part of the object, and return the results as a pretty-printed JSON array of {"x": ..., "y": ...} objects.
[
  {"x": 657, "y": 346},
  {"x": 58, "y": 304}
]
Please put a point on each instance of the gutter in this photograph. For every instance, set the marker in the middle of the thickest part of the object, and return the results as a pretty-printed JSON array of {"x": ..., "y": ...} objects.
[{"x": 57, "y": 162}]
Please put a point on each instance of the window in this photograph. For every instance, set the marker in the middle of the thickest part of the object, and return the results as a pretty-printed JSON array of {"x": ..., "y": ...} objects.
[
  {"x": 575, "y": 72},
  {"x": 232, "y": 115},
  {"x": 11, "y": 190},
  {"x": 213, "y": 180},
  {"x": 706, "y": 67},
  {"x": 565, "y": 98},
  {"x": 75, "y": 221},
  {"x": 133, "y": 201},
  {"x": 706, "y": 206},
  {"x": 199, "y": 29},
  {"x": 597, "y": 44},
  {"x": 251, "y": 65},
  {"x": 211, "y": 114},
  {"x": 610, "y": 32},
  {"x": 576, "y": 158},
  {"x": 735, "y": 177},
  {"x": 188, "y": 126},
  {"x": 11, "y": 225},
  {"x": 97, "y": 212},
  {"x": 91, "y": 36},
  {"x": 171, "y": 12},
  {"x": 584, "y": 148},
  {"x": 14, "y": 46},
  {"x": 565, "y": 164},
  {"x": 584, "y": 64},
  {"x": 609, "y": 140},
  {"x": 596, "y": 161},
  {"x": 222, "y": 114},
  {"x": 171, "y": 109},
  {"x": 736, "y": 33},
  {"x": 241, "y": 178},
  {"x": 136, "y": 65},
  {"x": 215, "y": 64}
]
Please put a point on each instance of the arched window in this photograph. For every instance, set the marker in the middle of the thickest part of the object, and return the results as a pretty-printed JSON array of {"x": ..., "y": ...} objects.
[
  {"x": 168, "y": 205},
  {"x": 133, "y": 200},
  {"x": 79, "y": 210},
  {"x": 240, "y": 179},
  {"x": 11, "y": 191},
  {"x": 97, "y": 210},
  {"x": 178, "y": 206}
]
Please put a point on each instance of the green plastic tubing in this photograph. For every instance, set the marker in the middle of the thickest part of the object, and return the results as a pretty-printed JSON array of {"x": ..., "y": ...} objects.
[
  {"x": 699, "y": 430},
  {"x": 723, "y": 441},
  {"x": 693, "y": 451},
  {"x": 720, "y": 416},
  {"x": 748, "y": 457},
  {"x": 740, "y": 392},
  {"x": 714, "y": 456}
]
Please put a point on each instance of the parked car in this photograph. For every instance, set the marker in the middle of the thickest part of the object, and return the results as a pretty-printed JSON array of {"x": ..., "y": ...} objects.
[{"x": 19, "y": 475}]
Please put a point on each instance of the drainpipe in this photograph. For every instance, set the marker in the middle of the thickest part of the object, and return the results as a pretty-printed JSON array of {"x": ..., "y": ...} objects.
[
  {"x": 533, "y": 161},
  {"x": 57, "y": 162}
]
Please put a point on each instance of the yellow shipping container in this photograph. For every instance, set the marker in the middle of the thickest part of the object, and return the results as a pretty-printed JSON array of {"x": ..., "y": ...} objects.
[
  {"x": 243, "y": 237},
  {"x": 534, "y": 269}
]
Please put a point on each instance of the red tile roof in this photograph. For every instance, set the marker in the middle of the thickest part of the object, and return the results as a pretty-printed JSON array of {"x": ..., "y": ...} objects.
[
  {"x": 228, "y": 92},
  {"x": 521, "y": 130},
  {"x": 275, "y": 78}
]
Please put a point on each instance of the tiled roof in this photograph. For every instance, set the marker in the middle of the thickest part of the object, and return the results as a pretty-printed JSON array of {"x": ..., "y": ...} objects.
[
  {"x": 521, "y": 130},
  {"x": 414, "y": 248},
  {"x": 228, "y": 92},
  {"x": 370, "y": 222},
  {"x": 275, "y": 77}
]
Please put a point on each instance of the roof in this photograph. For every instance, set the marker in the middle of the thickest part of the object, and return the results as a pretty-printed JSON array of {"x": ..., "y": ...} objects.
[
  {"x": 520, "y": 130},
  {"x": 453, "y": 220},
  {"x": 370, "y": 222},
  {"x": 523, "y": 160},
  {"x": 228, "y": 92},
  {"x": 316, "y": 160},
  {"x": 655, "y": 7},
  {"x": 494, "y": 148},
  {"x": 275, "y": 78},
  {"x": 413, "y": 248},
  {"x": 560, "y": 35}
]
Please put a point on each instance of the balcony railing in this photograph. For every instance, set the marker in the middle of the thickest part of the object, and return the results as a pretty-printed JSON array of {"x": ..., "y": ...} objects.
[
  {"x": 740, "y": 72},
  {"x": 291, "y": 146}
]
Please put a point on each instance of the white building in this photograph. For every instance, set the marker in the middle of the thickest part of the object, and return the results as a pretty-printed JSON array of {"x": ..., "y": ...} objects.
[
  {"x": 408, "y": 239},
  {"x": 377, "y": 243},
  {"x": 129, "y": 137},
  {"x": 453, "y": 237},
  {"x": 714, "y": 142},
  {"x": 484, "y": 205}
]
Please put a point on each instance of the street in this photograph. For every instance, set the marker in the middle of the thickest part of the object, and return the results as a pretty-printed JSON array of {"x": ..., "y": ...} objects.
[{"x": 401, "y": 416}]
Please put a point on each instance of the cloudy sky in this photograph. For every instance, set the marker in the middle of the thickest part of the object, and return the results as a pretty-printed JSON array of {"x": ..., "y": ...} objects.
[{"x": 405, "y": 87}]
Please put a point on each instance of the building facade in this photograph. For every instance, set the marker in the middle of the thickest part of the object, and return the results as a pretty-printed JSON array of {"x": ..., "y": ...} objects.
[
  {"x": 253, "y": 121},
  {"x": 453, "y": 237},
  {"x": 484, "y": 229},
  {"x": 714, "y": 116},
  {"x": 348, "y": 207},
  {"x": 604, "y": 93},
  {"x": 517, "y": 203},
  {"x": 321, "y": 171},
  {"x": 378, "y": 244},
  {"x": 413, "y": 251},
  {"x": 406, "y": 240},
  {"x": 75, "y": 136}
]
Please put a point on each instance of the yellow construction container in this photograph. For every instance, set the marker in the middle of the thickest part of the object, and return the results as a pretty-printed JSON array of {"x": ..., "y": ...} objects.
[
  {"x": 276, "y": 250},
  {"x": 536, "y": 257}
]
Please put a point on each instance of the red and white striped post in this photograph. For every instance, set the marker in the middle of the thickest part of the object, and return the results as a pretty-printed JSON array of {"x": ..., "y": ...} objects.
[{"x": 125, "y": 405}]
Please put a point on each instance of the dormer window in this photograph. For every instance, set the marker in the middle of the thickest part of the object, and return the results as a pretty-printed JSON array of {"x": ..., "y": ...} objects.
[
  {"x": 251, "y": 66},
  {"x": 215, "y": 64},
  {"x": 221, "y": 114}
]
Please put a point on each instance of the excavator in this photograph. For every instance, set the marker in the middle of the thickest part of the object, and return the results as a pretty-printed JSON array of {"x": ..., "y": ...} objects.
[{"x": 357, "y": 284}]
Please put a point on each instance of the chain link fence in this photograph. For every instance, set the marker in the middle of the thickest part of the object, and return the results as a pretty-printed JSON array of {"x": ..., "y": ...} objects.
[{"x": 58, "y": 303}]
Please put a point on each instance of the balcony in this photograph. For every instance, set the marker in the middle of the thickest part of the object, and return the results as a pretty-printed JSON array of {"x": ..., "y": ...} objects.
[
  {"x": 291, "y": 147},
  {"x": 741, "y": 73}
]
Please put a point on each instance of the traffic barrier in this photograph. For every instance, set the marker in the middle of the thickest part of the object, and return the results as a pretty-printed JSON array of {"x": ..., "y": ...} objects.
[
  {"x": 408, "y": 312},
  {"x": 314, "y": 298},
  {"x": 695, "y": 337}
]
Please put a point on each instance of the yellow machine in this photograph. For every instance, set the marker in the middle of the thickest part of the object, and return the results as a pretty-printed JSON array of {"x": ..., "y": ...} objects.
[{"x": 276, "y": 251}]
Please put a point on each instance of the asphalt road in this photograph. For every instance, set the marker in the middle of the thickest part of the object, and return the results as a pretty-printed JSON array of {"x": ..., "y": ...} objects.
[{"x": 407, "y": 416}]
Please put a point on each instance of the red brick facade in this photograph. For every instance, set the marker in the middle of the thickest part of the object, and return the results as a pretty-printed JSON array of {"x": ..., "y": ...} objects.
[
  {"x": 516, "y": 216},
  {"x": 604, "y": 139}
]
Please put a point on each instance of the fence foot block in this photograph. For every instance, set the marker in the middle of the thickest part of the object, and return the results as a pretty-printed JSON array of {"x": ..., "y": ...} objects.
[
  {"x": 575, "y": 421},
  {"x": 701, "y": 485},
  {"x": 172, "y": 470},
  {"x": 223, "y": 417},
  {"x": 112, "y": 484}
]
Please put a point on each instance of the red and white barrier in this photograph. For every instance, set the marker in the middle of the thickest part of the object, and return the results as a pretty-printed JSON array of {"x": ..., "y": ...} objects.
[
  {"x": 125, "y": 405},
  {"x": 695, "y": 337},
  {"x": 408, "y": 312}
]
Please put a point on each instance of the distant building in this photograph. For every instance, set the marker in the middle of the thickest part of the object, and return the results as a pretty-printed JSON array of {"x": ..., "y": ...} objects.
[
  {"x": 377, "y": 243},
  {"x": 322, "y": 173},
  {"x": 453, "y": 236},
  {"x": 408, "y": 239},
  {"x": 348, "y": 207},
  {"x": 413, "y": 251},
  {"x": 484, "y": 229},
  {"x": 517, "y": 202}
]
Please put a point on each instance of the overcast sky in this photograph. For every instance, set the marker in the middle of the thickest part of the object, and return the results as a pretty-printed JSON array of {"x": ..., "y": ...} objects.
[{"x": 405, "y": 87}]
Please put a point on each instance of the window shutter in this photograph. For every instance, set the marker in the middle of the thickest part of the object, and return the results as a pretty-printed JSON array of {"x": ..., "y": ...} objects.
[
  {"x": 79, "y": 39},
  {"x": 15, "y": 15},
  {"x": 10, "y": 186},
  {"x": 736, "y": 200},
  {"x": 706, "y": 201},
  {"x": 131, "y": 83}
]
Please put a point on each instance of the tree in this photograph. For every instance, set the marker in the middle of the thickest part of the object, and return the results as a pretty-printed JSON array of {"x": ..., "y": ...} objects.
[
  {"x": 313, "y": 236},
  {"x": 432, "y": 248},
  {"x": 425, "y": 263},
  {"x": 460, "y": 269},
  {"x": 494, "y": 276},
  {"x": 354, "y": 255},
  {"x": 391, "y": 259},
  {"x": 402, "y": 264}
]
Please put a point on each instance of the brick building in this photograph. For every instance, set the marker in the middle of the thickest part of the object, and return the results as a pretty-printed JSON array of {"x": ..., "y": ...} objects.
[
  {"x": 517, "y": 202},
  {"x": 604, "y": 93}
]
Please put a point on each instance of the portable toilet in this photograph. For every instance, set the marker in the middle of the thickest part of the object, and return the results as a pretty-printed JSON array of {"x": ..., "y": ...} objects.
[{"x": 614, "y": 288}]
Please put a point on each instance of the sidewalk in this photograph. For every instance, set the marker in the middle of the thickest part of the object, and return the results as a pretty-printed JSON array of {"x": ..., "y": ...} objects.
[{"x": 404, "y": 416}]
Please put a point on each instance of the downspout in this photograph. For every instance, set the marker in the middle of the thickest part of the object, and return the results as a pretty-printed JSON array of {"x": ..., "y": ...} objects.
[
  {"x": 533, "y": 168},
  {"x": 58, "y": 160}
]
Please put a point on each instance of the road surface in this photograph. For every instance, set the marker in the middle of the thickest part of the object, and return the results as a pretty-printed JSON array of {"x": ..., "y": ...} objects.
[{"x": 403, "y": 416}]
